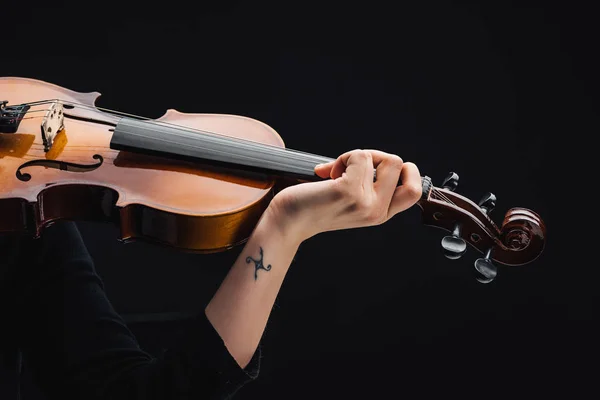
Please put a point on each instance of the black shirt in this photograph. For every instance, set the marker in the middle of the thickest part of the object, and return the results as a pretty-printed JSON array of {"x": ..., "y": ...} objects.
[{"x": 56, "y": 314}]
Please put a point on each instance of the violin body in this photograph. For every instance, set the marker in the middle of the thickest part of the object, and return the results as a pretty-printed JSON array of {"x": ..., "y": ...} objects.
[
  {"x": 175, "y": 202},
  {"x": 198, "y": 182}
]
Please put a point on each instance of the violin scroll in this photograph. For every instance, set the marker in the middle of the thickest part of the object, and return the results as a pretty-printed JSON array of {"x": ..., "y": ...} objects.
[{"x": 519, "y": 240}]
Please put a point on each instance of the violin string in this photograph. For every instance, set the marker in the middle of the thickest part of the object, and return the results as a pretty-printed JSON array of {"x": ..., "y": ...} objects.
[
  {"x": 286, "y": 153},
  {"x": 37, "y": 111},
  {"x": 32, "y": 111},
  {"x": 437, "y": 195},
  {"x": 291, "y": 154},
  {"x": 442, "y": 196},
  {"x": 166, "y": 139}
]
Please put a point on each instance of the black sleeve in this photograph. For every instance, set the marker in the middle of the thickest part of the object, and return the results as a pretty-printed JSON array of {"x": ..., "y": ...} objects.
[{"x": 77, "y": 346}]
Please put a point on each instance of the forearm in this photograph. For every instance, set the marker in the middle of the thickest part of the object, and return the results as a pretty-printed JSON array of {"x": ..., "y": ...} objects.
[{"x": 240, "y": 308}]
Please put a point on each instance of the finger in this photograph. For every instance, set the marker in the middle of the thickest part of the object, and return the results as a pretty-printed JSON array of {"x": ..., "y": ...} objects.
[
  {"x": 339, "y": 166},
  {"x": 324, "y": 170},
  {"x": 407, "y": 194},
  {"x": 358, "y": 167},
  {"x": 379, "y": 156},
  {"x": 388, "y": 167}
]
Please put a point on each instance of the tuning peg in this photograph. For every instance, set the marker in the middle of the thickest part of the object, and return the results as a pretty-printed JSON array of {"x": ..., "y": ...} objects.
[
  {"x": 454, "y": 246},
  {"x": 487, "y": 202},
  {"x": 451, "y": 181},
  {"x": 485, "y": 270}
]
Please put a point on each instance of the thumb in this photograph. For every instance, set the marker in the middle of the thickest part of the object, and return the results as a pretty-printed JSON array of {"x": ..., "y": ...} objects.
[{"x": 324, "y": 170}]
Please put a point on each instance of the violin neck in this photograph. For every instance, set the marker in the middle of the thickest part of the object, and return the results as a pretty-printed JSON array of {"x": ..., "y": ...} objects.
[{"x": 177, "y": 142}]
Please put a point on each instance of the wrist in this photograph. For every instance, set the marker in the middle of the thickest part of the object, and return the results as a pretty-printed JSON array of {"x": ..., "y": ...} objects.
[{"x": 284, "y": 225}]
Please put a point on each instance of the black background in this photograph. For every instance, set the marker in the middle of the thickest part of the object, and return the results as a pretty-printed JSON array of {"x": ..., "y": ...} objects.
[{"x": 498, "y": 93}]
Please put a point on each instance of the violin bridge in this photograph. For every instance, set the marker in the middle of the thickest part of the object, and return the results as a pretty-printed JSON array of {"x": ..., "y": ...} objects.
[{"x": 53, "y": 122}]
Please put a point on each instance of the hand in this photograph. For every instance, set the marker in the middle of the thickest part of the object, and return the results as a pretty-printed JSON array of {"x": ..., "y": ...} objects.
[{"x": 350, "y": 199}]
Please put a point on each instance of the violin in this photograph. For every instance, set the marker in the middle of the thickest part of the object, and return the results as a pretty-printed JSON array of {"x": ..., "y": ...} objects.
[{"x": 198, "y": 182}]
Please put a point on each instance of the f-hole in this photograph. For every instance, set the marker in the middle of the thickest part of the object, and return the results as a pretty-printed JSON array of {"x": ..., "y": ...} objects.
[{"x": 57, "y": 164}]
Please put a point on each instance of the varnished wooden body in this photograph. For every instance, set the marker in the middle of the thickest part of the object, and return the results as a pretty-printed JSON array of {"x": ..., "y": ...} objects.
[{"x": 181, "y": 204}]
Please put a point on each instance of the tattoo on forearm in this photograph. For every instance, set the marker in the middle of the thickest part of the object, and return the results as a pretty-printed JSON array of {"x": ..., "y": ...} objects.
[{"x": 258, "y": 264}]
